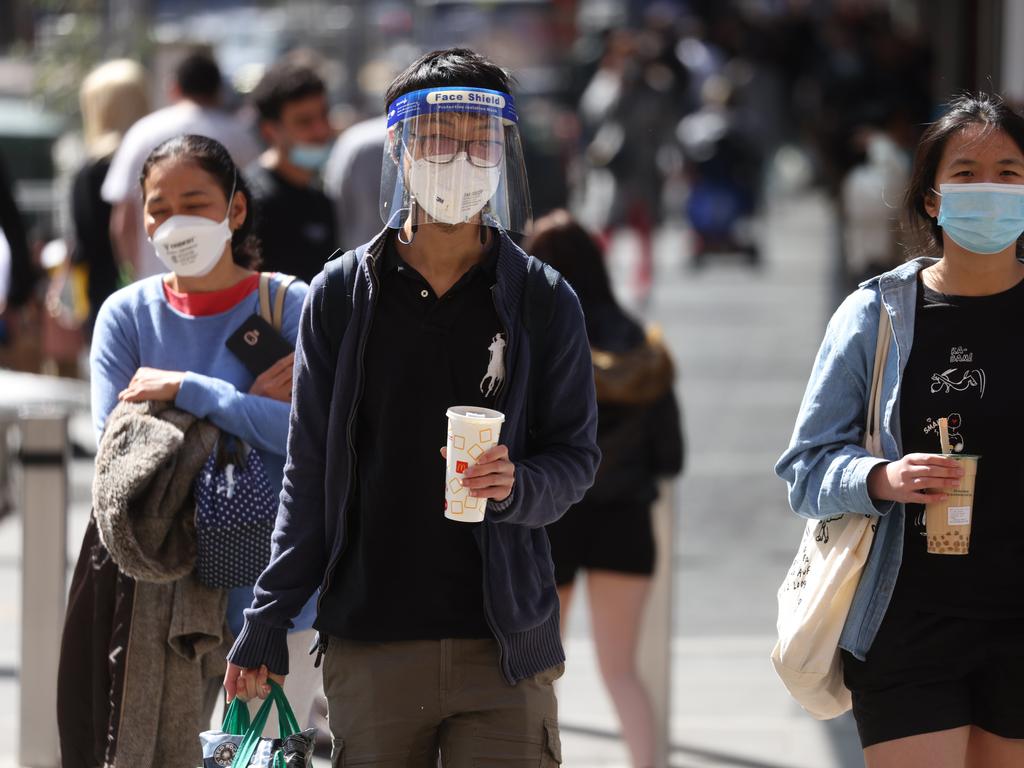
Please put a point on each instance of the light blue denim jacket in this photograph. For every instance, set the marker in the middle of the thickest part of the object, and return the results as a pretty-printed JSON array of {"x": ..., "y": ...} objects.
[{"x": 826, "y": 465}]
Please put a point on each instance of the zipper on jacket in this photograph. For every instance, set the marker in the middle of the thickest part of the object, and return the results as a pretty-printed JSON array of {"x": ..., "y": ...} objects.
[
  {"x": 335, "y": 557},
  {"x": 321, "y": 648},
  {"x": 488, "y": 610},
  {"x": 124, "y": 677}
]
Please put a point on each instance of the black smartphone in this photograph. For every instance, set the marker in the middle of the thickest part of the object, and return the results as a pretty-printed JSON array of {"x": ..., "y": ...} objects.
[{"x": 258, "y": 345}]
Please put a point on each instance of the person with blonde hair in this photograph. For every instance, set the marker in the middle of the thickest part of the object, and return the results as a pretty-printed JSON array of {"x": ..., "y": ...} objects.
[{"x": 112, "y": 97}]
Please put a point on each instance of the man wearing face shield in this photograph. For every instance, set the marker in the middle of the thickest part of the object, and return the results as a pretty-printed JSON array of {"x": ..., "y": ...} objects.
[
  {"x": 294, "y": 218},
  {"x": 437, "y": 636}
]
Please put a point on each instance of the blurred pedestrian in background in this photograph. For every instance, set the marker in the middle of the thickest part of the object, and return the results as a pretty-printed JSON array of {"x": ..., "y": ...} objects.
[
  {"x": 162, "y": 341},
  {"x": 18, "y": 275},
  {"x": 610, "y": 534},
  {"x": 351, "y": 178},
  {"x": 294, "y": 218},
  {"x": 112, "y": 98},
  {"x": 933, "y": 646},
  {"x": 449, "y": 628},
  {"x": 629, "y": 110},
  {"x": 196, "y": 97}
]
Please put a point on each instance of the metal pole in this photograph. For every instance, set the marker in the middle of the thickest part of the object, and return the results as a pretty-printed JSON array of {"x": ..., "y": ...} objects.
[
  {"x": 654, "y": 650},
  {"x": 44, "y": 461}
]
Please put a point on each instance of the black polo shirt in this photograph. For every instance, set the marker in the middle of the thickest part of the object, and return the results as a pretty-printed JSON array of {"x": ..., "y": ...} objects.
[{"x": 407, "y": 572}]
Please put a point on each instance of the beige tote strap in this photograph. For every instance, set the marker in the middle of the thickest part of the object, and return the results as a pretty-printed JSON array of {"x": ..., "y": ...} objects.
[
  {"x": 873, "y": 431},
  {"x": 265, "y": 297},
  {"x": 282, "y": 289}
]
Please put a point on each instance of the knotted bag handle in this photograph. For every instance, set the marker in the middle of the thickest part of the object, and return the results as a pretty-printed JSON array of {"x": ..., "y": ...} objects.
[{"x": 286, "y": 722}]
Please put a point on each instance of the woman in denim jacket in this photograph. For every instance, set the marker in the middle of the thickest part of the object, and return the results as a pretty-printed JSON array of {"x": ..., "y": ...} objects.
[{"x": 933, "y": 647}]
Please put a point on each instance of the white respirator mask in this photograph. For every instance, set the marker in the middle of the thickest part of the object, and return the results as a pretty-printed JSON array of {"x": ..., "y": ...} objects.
[
  {"x": 191, "y": 246},
  {"x": 453, "y": 192}
]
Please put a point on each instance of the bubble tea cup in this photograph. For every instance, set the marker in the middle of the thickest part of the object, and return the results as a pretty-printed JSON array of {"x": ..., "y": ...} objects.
[{"x": 948, "y": 522}]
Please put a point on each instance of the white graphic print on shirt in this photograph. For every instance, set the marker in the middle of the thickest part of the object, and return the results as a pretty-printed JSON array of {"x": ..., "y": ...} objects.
[
  {"x": 955, "y": 379},
  {"x": 495, "y": 376}
]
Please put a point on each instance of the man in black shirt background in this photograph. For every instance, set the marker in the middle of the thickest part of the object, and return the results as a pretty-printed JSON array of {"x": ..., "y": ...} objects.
[{"x": 294, "y": 219}]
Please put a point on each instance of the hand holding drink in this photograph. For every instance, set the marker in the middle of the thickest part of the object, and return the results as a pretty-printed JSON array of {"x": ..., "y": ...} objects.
[
  {"x": 948, "y": 520},
  {"x": 476, "y": 468},
  {"x": 944, "y": 483}
]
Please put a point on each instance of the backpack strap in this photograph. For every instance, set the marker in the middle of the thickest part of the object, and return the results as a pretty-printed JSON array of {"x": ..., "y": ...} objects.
[
  {"x": 339, "y": 284},
  {"x": 538, "y": 308}
]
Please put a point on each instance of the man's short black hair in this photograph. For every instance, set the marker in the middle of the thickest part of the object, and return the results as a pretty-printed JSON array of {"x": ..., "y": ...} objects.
[
  {"x": 198, "y": 77},
  {"x": 285, "y": 82},
  {"x": 450, "y": 67}
]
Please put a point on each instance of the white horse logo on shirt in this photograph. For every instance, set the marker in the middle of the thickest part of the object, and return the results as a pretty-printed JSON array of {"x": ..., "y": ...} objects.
[{"x": 495, "y": 376}]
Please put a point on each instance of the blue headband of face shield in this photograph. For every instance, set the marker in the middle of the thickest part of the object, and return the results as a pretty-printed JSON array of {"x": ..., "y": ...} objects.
[
  {"x": 481, "y": 101},
  {"x": 982, "y": 218}
]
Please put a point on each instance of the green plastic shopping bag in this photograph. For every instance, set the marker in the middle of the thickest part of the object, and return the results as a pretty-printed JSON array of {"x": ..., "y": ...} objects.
[{"x": 239, "y": 742}]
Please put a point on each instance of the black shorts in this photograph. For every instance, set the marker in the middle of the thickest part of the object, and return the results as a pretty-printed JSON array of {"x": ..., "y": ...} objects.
[
  {"x": 927, "y": 673},
  {"x": 603, "y": 537}
]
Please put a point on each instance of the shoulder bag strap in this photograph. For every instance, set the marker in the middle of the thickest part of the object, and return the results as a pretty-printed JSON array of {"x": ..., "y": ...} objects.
[
  {"x": 277, "y": 315},
  {"x": 873, "y": 431},
  {"x": 265, "y": 297}
]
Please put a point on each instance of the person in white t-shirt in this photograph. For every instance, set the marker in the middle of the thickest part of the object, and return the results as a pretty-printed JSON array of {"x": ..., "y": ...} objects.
[{"x": 195, "y": 110}]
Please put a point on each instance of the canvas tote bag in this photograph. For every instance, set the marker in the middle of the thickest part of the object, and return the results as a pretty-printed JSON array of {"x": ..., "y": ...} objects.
[{"x": 816, "y": 596}]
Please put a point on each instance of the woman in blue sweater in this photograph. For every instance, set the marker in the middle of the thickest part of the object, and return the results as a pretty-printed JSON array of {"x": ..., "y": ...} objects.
[{"x": 163, "y": 338}]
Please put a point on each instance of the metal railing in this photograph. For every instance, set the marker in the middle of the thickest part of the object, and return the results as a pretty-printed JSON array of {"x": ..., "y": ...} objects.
[{"x": 38, "y": 407}]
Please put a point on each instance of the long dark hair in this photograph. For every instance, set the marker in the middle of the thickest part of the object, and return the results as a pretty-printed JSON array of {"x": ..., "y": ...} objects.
[
  {"x": 987, "y": 110},
  {"x": 562, "y": 242},
  {"x": 212, "y": 157}
]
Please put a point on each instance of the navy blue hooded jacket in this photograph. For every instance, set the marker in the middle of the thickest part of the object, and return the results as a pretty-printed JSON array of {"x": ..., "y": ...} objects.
[{"x": 520, "y": 599}]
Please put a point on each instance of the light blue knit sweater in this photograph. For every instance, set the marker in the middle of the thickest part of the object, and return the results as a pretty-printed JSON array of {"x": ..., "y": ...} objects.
[{"x": 137, "y": 327}]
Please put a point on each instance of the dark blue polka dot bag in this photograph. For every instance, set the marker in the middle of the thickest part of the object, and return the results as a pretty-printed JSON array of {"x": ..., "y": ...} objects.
[{"x": 236, "y": 507}]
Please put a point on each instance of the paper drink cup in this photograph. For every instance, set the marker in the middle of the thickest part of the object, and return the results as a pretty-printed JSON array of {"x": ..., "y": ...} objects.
[
  {"x": 948, "y": 523},
  {"x": 471, "y": 431}
]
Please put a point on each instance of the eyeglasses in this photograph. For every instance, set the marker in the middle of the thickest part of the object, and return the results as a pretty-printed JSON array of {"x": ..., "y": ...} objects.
[{"x": 440, "y": 149}]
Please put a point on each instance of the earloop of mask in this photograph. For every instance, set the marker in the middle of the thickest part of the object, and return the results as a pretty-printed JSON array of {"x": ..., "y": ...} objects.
[
  {"x": 234, "y": 186},
  {"x": 415, "y": 225}
]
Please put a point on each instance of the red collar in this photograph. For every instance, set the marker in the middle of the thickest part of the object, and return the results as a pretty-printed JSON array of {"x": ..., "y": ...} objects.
[{"x": 205, "y": 303}]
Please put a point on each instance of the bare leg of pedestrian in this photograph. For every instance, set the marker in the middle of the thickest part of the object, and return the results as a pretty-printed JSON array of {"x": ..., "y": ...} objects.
[
  {"x": 617, "y": 604},
  {"x": 942, "y": 749},
  {"x": 985, "y": 749},
  {"x": 565, "y": 593}
]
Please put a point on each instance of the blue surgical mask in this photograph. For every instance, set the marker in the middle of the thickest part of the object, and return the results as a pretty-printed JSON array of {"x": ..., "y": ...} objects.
[
  {"x": 982, "y": 218},
  {"x": 310, "y": 157}
]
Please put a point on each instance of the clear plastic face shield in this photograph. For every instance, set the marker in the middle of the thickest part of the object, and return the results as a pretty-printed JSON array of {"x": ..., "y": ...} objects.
[{"x": 453, "y": 156}]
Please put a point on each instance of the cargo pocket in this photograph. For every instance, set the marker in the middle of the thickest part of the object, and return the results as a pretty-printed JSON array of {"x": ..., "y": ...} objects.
[
  {"x": 552, "y": 744},
  {"x": 337, "y": 753}
]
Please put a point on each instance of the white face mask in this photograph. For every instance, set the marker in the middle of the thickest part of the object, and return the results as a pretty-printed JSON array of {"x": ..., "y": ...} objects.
[
  {"x": 191, "y": 246},
  {"x": 454, "y": 192}
]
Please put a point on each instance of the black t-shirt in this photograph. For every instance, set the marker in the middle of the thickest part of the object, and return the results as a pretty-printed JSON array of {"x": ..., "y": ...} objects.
[
  {"x": 964, "y": 366},
  {"x": 295, "y": 225},
  {"x": 91, "y": 215},
  {"x": 407, "y": 572}
]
